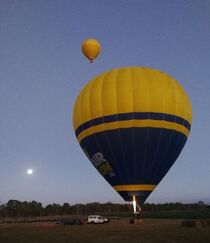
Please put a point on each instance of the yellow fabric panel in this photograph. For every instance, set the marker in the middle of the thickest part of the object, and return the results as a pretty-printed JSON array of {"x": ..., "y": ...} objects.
[
  {"x": 134, "y": 187},
  {"x": 85, "y": 103},
  {"x": 124, "y": 91},
  {"x": 169, "y": 96},
  {"x": 155, "y": 84},
  {"x": 131, "y": 89},
  {"x": 108, "y": 93},
  {"x": 76, "y": 114},
  {"x": 178, "y": 105},
  {"x": 187, "y": 109},
  {"x": 141, "y": 93},
  {"x": 133, "y": 123},
  {"x": 95, "y": 98}
]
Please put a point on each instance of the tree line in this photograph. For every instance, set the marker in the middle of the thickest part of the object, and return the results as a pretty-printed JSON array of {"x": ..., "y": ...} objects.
[{"x": 16, "y": 208}]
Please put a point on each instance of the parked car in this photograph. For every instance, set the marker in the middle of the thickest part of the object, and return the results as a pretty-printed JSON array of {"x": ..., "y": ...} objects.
[
  {"x": 97, "y": 219},
  {"x": 69, "y": 222}
]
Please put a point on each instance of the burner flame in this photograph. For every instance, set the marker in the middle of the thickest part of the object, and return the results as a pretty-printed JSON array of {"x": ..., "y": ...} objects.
[{"x": 134, "y": 204}]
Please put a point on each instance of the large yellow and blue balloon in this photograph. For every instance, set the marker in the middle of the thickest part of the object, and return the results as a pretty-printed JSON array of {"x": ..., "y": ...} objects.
[
  {"x": 91, "y": 48},
  {"x": 132, "y": 124}
]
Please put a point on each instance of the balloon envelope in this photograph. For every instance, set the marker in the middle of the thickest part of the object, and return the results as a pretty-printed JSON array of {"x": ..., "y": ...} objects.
[
  {"x": 132, "y": 124},
  {"x": 91, "y": 48}
]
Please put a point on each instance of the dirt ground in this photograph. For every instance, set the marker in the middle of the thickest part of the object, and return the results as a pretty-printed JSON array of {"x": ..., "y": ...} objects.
[{"x": 118, "y": 230}]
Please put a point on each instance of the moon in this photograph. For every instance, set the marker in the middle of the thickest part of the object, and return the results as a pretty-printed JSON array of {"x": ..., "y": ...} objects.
[{"x": 30, "y": 171}]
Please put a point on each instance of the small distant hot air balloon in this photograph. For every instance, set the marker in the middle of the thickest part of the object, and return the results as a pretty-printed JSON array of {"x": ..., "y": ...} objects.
[
  {"x": 91, "y": 48},
  {"x": 132, "y": 124}
]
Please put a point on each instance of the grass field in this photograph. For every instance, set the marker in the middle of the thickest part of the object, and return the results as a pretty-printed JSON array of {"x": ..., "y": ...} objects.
[
  {"x": 178, "y": 214},
  {"x": 119, "y": 231}
]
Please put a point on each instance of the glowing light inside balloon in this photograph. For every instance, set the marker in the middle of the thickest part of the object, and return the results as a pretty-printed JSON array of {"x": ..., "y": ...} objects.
[
  {"x": 134, "y": 204},
  {"x": 30, "y": 171}
]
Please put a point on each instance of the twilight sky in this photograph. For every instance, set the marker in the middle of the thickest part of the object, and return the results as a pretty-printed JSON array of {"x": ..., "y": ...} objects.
[{"x": 42, "y": 71}]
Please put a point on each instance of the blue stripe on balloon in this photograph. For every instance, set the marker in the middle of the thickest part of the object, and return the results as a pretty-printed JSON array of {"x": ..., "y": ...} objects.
[{"x": 133, "y": 116}]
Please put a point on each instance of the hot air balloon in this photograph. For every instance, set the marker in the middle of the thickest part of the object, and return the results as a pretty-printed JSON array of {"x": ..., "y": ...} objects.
[
  {"x": 132, "y": 124},
  {"x": 91, "y": 48}
]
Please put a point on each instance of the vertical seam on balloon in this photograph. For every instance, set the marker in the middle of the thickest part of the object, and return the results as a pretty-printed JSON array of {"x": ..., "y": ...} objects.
[
  {"x": 133, "y": 129},
  {"x": 180, "y": 142},
  {"x": 94, "y": 135},
  {"x": 159, "y": 140},
  {"x": 161, "y": 164},
  {"x": 106, "y": 135},
  {"x": 184, "y": 113},
  {"x": 148, "y": 130},
  {"x": 177, "y": 144},
  {"x": 171, "y": 156},
  {"x": 119, "y": 131},
  {"x": 80, "y": 110},
  {"x": 90, "y": 142}
]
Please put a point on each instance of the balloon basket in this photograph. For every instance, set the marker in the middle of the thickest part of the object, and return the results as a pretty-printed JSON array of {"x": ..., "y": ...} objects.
[{"x": 135, "y": 219}]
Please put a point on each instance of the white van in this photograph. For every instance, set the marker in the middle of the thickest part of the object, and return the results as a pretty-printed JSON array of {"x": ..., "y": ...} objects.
[{"x": 97, "y": 219}]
